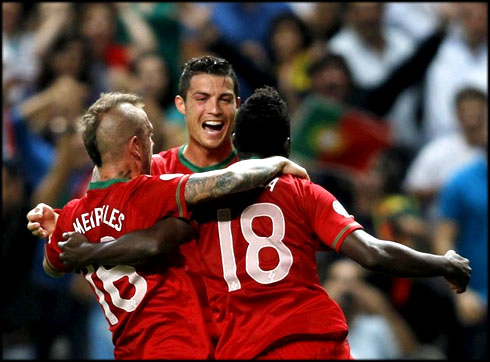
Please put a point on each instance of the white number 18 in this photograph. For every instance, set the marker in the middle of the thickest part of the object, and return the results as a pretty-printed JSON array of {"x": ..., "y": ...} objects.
[{"x": 255, "y": 244}]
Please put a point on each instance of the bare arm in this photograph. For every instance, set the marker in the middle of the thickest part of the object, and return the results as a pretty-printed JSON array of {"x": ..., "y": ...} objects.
[
  {"x": 55, "y": 19},
  {"x": 50, "y": 271},
  {"x": 141, "y": 34},
  {"x": 241, "y": 176},
  {"x": 130, "y": 249},
  {"x": 48, "y": 190},
  {"x": 399, "y": 260},
  {"x": 375, "y": 302}
]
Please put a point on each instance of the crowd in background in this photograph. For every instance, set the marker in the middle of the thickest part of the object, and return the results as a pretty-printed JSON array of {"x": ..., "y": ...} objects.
[{"x": 389, "y": 113}]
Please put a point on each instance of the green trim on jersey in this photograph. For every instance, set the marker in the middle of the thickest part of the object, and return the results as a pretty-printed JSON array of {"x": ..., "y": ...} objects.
[
  {"x": 177, "y": 194},
  {"x": 103, "y": 184},
  {"x": 342, "y": 232},
  {"x": 194, "y": 168}
]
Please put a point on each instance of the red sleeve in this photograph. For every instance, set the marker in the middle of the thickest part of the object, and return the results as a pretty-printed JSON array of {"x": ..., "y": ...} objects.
[
  {"x": 51, "y": 249},
  {"x": 330, "y": 221}
]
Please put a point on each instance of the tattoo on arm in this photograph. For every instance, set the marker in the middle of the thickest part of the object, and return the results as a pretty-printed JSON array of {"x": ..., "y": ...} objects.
[{"x": 214, "y": 184}]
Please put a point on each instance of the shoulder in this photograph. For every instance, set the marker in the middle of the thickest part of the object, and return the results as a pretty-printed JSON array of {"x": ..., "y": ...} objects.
[
  {"x": 466, "y": 173},
  {"x": 164, "y": 161},
  {"x": 441, "y": 147},
  {"x": 169, "y": 154},
  {"x": 294, "y": 187},
  {"x": 147, "y": 180},
  {"x": 284, "y": 182},
  {"x": 69, "y": 213},
  {"x": 72, "y": 206}
]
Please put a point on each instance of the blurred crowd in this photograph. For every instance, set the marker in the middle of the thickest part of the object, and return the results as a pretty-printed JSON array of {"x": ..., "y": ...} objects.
[{"x": 389, "y": 113}]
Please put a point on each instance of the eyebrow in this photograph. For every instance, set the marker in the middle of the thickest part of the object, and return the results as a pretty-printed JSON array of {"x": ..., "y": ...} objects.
[
  {"x": 207, "y": 94},
  {"x": 200, "y": 93}
]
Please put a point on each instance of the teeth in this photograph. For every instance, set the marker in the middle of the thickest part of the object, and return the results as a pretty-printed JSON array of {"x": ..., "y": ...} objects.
[{"x": 213, "y": 123}]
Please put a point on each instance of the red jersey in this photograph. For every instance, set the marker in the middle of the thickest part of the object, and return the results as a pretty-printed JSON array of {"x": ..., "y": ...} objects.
[
  {"x": 259, "y": 251},
  {"x": 173, "y": 161},
  {"x": 152, "y": 309}
]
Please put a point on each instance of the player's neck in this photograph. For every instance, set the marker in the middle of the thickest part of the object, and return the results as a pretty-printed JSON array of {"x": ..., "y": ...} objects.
[
  {"x": 120, "y": 170},
  {"x": 204, "y": 157}
]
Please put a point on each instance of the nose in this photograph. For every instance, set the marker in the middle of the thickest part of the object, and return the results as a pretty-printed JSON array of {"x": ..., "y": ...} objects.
[{"x": 214, "y": 107}]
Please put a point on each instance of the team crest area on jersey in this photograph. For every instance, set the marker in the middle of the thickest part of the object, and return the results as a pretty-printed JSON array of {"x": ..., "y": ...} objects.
[{"x": 339, "y": 209}]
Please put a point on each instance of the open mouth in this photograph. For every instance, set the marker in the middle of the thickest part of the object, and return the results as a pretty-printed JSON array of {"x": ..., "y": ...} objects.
[{"x": 213, "y": 126}]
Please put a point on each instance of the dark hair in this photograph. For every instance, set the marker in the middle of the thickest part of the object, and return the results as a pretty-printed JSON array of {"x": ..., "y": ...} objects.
[
  {"x": 207, "y": 64},
  {"x": 330, "y": 60},
  {"x": 262, "y": 124},
  {"x": 166, "y": 98},
  {"x": 304, "y": 30},
  {"x": 470, "y": 93},
  {"x": 47, "y": 74}
]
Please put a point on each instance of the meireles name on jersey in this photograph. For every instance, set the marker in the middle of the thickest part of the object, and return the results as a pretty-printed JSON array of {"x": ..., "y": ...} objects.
[{"x": 96, "y": 217}]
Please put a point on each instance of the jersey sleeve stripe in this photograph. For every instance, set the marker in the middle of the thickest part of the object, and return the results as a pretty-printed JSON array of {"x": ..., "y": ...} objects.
[
  {"x": 180, "y": 196},
  {"x": 342, "y": 232}
]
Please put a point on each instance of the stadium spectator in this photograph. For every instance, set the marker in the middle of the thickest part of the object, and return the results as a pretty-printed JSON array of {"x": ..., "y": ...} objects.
[
  {"x": 372, "y": 50},
  {"x": 67, "y": 57},
  {"x": 391, "y": 86},
  {"x": 376, "y": 330},
  {"x": 462, "y": 224},
  {"x": 233, "y": 20},
  {"x": 461, "y": 61},
  {"x": 447, "y": 153},
  {"x": 19, "y": 61},
  {"x": 66, "y": 176},
  {"x": 110, "y": 56},
  {"x": 346, "y": 101},
  {"x": 289, "y": 43},
  {"x": 152, "y": 82},
  {"x": 418, "y": 20},
  {"x": 324, "y": 18},
  {"x": 162, "y": 24},
  {"x": 418, "y": 300},
  {"x": 324, "y": 122}
]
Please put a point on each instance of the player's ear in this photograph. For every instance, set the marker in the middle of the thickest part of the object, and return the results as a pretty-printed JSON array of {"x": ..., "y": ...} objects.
[
  {"x": 238, "y": 101},
  {"x": 180, "y": 104},
  {"x": 135, "y": 148}
]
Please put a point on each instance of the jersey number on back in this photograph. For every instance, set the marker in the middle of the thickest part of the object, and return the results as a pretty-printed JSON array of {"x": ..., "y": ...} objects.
[
  {"x": 255, "y": 243},
  {"x": 109, "y": 277}
]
